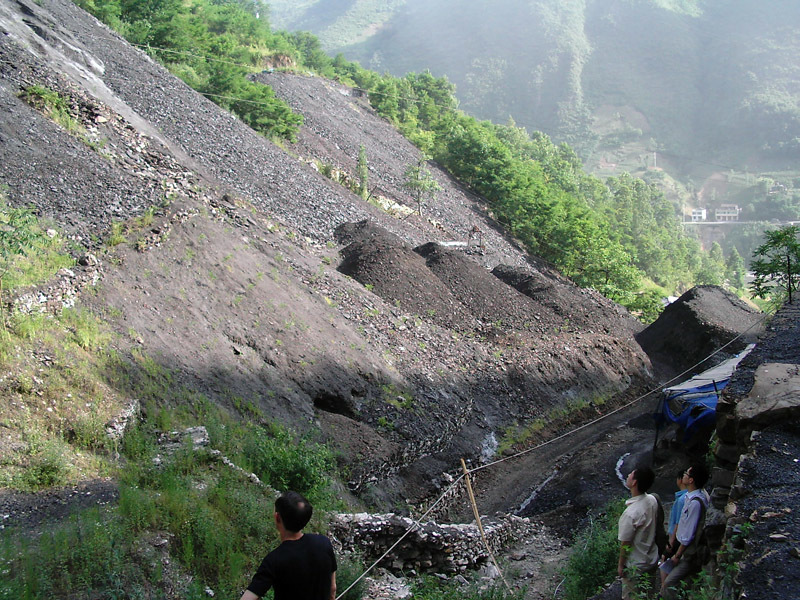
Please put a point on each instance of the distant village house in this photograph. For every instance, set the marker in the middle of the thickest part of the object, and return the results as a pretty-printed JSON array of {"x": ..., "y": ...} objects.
[
  {"x": 699, "y": 214},
  {"x": 727, "y": 212}
]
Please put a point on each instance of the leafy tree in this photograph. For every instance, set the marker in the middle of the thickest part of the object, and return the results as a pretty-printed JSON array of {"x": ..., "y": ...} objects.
[
  {"x": 420, "y": 184},
  {"x": 776, "y": 264},
  {"x": 713, "y": 270},
  {"x": 384, "y": 99},
  {"x": 648, "y": 305},
  {"x": 182, "y": 34}
]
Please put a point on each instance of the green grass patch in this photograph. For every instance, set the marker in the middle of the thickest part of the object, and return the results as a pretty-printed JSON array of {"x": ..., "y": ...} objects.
[
  {"x": 57, "y": 108},
  {"x": 53, "y": 105},
  {"x": 89, "y": 556},
  {"x": 593, "y": 562},
  {"x": 397, "y": 397},
  {"x": 30, "y": 253},
  {"x": 431, "y": 588}
]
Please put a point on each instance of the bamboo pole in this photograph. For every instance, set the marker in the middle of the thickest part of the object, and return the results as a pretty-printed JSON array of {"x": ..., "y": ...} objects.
[{"x": 480, "y": 524}]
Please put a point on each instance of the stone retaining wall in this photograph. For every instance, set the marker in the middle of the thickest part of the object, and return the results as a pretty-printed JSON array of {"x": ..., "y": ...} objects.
[{"x": 429, "y": 547}]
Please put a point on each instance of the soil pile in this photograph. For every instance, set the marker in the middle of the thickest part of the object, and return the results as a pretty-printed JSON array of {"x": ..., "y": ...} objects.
[
  {"x": 584, "y": 308},
  {"x": 405, "y": 367},
  {"x": 487, "y": 298},
  {"x": 701, "y": 321},
  {"x": 393, "y": 271}
]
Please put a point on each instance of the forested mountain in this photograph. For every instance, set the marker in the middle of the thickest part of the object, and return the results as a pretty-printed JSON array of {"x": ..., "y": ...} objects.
[{"x": 706, "y": 84}]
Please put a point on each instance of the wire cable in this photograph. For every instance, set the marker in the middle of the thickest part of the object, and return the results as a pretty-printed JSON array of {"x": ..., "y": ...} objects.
[
  {"x": 416, "y": 522},
  {"x": 624, "y": 406}
]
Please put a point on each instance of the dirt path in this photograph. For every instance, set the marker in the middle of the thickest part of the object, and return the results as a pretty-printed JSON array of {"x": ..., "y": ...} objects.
[
  {"x": 578, "y": 467},
  {"x": 559, "y": 485}
]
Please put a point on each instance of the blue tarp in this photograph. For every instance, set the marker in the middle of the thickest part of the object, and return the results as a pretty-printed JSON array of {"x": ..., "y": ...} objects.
[{"x": 693, "y": 403}]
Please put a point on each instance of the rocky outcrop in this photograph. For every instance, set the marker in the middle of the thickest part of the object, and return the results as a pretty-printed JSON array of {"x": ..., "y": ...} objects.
[{"x": 755, "y": 477}]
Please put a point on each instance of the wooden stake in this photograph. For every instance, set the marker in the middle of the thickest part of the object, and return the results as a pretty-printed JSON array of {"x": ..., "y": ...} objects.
[{"x": 480, "y": 524}]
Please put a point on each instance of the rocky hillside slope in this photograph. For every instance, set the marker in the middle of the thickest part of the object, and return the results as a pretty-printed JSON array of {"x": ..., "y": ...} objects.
[{"x": 274, "y": 291}]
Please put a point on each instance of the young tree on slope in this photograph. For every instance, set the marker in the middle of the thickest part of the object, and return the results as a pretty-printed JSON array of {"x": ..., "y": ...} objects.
[
  {"x": 420, "y": 184},
  {"x": 776, "y": 264}
]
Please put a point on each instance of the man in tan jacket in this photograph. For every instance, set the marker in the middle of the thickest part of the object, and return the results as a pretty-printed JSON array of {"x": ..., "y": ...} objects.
[{"x": 638, "y": 552}]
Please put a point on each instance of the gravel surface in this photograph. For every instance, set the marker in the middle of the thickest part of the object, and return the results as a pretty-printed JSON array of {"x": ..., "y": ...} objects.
[
  {"x": 702, "y": 321},
  {"x": 771, "y": 568},
  {"x": 406, "y": 360}
]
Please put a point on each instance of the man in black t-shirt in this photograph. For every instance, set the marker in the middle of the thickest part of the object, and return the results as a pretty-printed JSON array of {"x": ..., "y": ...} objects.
[{"x": 303, "y": 567}]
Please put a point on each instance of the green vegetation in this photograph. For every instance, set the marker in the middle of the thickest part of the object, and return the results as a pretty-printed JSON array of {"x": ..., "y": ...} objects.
[
  {"x": 363, "y": 172},
  {"x": 213, "y": 518},
  {"x": 517, "y": 435},
  {"x": 420, "y": 184},
  {"x": 29, "y": 252},
  {"x": 53, "y": 105},
  {"x": 57, "y": 108},
  {"x": 182, "y": 35},
  {"x": 776, "y": 265},
  {"x": 430, "y": 588},
  {"x": 593, "y": 562},
  {"x": 397, "y": 397},
  {"x": 62, "y": 383}
]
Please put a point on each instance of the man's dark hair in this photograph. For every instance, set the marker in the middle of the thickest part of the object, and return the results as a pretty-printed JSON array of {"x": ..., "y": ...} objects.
[
  {"x": 699, "y": 473},
  {"x": 680, "y": 474},
  {"x": 644, "y": 477},
  {"x": 294, "y": 509}
]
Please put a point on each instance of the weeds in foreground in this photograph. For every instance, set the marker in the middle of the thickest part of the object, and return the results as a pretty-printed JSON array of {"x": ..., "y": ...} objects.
[
  {"x": 88, "y": 553},
  {"x": 431, "y": 588},
  {"x": 593, "y": 562},
  {"x": 350, "y": 568}
]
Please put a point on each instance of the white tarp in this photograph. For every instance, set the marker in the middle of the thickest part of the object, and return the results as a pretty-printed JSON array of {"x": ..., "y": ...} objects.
[{"x": 705, "y": 381}]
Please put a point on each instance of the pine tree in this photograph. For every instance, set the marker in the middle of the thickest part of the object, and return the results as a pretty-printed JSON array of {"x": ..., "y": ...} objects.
[{"x": 734, "y": 269}]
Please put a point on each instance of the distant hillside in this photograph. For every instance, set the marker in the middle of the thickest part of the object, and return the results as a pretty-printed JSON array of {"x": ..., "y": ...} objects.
[{"x": 707, "y": 85}]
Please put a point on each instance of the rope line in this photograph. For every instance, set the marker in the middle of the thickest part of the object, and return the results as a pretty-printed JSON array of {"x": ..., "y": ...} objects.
[
  {"x": 621, "y": 408},
  {"x": 467, "y": 472},
  {"x": 402, "y": 537}
]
